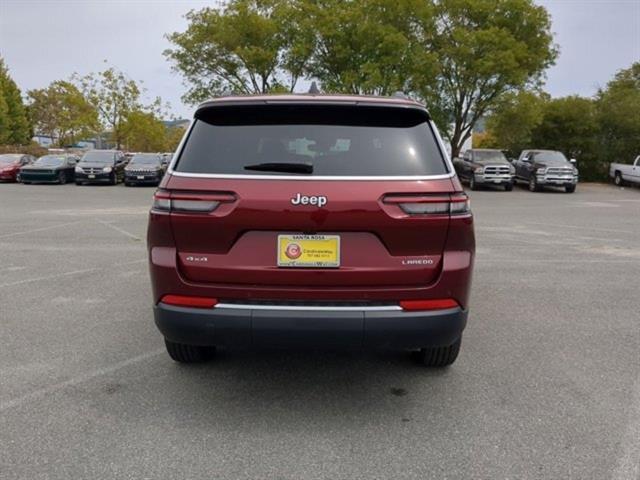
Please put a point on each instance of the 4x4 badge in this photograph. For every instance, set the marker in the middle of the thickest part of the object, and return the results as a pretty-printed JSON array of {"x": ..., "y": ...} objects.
[{"x": 319, "y": 200}]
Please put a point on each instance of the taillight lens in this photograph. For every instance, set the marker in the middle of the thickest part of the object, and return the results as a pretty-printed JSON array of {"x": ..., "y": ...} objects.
[
  {"x": 164, "y": 201},
  {"x": 425, "y": 208},
  {"x": 193, "y": 205},
  {"x": 455, "y": 204},
  {"x": 187, "y": 301},
  {"x": 460, "y": 204},
  {"x": 438, "y": 304}
]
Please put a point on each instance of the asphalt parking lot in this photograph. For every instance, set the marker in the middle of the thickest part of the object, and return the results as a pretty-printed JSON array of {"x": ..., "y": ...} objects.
[{"x": 546, "y": 386}]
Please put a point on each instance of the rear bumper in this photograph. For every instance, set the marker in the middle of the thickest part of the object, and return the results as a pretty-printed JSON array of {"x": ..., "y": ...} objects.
[{"x": 246, "y": 327}]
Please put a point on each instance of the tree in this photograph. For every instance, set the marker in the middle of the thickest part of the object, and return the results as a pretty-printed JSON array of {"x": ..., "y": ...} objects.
[
  {"x": 619, "y": 118},
  {"x": 15, "y": 125},
  {"x": 511, "y": 122},
  {"x": 62, "y": 112},
  {"x": 569, "y": 124},
  {"x": 173, "y": 136},
  {"x": 114, "y": 96},
  {"x": 143, "y": 132},
  {"x": 248, "y": 46},
  {"x": 484, "y": 49},
  {"x": 372, "y": 47}
]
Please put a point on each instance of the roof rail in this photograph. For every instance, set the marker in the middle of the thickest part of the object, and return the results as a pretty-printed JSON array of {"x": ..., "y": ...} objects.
[{"x": 400, "y": 94}]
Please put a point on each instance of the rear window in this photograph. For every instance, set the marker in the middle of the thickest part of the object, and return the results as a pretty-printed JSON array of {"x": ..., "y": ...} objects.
[{"x": 335, "y": 140}]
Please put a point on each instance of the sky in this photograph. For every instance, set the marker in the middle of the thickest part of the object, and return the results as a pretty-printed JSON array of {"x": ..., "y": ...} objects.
[{"x": 46, "y": 40}]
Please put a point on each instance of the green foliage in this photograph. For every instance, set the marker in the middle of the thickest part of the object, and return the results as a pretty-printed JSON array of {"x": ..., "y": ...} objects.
[
  {"x": 458, "y": 55},
  {"x": 619, "y": 116},
  {"x": 249, "y": 46},
  {"x": 143, "y": 132},
  {"x": 114, "y": 96},
  {"x": 512, "y": 121},
  {"x": 62, "y": 112},
  {"x": 173, "y": 135},
  {"x": 569, "y": 124},
  {"x": 485, "y": 48},
  {"x": 371, "y": 47},
  {"x": 594, "y": 131},
  {"x": 15, "y": 125}
]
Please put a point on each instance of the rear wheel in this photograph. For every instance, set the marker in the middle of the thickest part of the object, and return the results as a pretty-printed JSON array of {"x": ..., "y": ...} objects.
[
  {"x": 570, "y": 188},
  {"x": 438, "y": 356},
  {"x": 618, "y": 179},
  {"x": 62, "y": 178},
  {"x": 189, "y": 353}
]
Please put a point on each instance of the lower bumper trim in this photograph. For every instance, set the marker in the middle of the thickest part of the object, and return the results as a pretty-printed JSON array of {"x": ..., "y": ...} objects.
[{"x": 246, "y": 327}]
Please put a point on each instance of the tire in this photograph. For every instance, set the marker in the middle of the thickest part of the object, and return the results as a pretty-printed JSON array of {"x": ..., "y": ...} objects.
[
  {"x": 508, "y": 187},
  {"x": 618, "y": 179},
  {"x": 114, "y": 180},
  {"x": 128, "y": 184},
  {"x": 62, "y": 178},
  {"x": 570, "y": 188},
  {"x": 182, "y": 353},
  {"x": 78, "y": 183},
  {"x": 438, "y": 356},
  {"x": 533, "y": 184},
  {"x": 472, "y": 183}
]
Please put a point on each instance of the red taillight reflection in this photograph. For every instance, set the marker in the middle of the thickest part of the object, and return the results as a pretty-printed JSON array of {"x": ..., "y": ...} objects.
[
  {"x": 186, "y": 301},
  {"x": 439, "y": 304}
]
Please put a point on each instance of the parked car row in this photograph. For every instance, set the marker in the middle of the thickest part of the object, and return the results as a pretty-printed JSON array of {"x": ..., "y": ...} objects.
[
  {"x": 537, "y": 168},
  {"x": 95, "y": 166}
]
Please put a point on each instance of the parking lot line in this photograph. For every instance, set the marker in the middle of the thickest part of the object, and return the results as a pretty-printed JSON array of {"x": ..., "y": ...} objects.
[
  {"x": 8, "y": 235},
  {"x": 76, "y": 380},
  {"x": 118, "y": 229},
  {"x": 65, "y": 274}
]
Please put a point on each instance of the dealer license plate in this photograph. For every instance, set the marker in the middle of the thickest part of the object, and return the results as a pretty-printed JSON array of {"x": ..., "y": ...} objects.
[{"x": 311, "y": 251}]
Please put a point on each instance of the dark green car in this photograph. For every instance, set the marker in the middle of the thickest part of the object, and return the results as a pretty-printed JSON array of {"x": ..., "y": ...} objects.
[{"x": 58, "y": 168}]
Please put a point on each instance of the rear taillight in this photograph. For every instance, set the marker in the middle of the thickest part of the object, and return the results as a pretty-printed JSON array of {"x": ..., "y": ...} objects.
[
  {"x": 455, "y": 204},
  {"x": 187, "y": 301},
  {"x": 164, "y": 201},
  {"x": 439, "y": 304}
]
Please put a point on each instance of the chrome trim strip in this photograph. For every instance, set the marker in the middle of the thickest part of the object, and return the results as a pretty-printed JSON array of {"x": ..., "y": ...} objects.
[
  {"x": 312, "y": 178},
  {"x": 327, "y": 308}
]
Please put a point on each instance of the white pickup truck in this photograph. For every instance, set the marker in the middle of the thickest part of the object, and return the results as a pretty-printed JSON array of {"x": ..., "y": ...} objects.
[{"x": 623, "y": 173}]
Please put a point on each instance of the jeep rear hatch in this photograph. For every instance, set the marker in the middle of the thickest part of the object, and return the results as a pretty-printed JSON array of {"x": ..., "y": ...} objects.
[{"x": 372, "y": 176}]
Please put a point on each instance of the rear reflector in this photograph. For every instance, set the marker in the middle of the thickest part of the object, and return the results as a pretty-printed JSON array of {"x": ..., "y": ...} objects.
[
  {"x": 184, "y": 301},
  {"x": 440, "y": 304}
]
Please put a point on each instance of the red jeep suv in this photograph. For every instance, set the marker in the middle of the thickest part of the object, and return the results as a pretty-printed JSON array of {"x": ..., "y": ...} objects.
[{"x": 311, "y": 220}]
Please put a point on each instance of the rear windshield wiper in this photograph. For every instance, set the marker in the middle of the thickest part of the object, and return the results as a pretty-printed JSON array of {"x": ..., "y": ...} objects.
[{"x": 281, "y": 167}]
